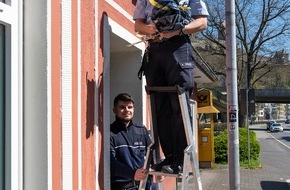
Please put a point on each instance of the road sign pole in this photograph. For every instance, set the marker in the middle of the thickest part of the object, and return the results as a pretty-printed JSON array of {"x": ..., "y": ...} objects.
[
  {"x": 248, "y": 116},
  {"x": 232, "y": 98}
]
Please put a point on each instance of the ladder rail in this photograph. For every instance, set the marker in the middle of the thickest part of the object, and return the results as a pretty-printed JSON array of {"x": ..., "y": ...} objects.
[
  {"x": 153, "y": 153},
  {"x": 190, "y": 155},
  {"x": 154, "y": 134},
  {"x": 188, "y": 127}
]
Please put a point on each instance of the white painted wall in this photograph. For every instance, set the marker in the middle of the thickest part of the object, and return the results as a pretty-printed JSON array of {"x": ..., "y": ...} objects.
[{"x": 35, "y": 95}]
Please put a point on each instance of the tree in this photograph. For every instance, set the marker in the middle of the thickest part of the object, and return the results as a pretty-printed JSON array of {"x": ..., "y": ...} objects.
[
  {"x": 279, "y": 79},
  {"x": 262, "y": 28}
]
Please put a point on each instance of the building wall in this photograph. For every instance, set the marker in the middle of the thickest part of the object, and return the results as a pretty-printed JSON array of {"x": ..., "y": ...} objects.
[
  {"x": 59, "y": 92},
  {"x": 35, "y": 156},
  {"x": 88, "y": 87},
  {"x": 76, "y": 60}
]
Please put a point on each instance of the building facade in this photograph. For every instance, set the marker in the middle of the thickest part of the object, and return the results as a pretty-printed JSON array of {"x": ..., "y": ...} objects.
[{"x": 62, "y": 63}]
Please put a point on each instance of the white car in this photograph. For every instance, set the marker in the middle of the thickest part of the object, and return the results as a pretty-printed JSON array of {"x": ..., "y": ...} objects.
[{"x": 276, "y": 127}]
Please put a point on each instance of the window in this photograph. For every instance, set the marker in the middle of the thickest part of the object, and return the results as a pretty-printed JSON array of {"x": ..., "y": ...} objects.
[
  {"x": 2, "y": 102},
  {"x": 10, "y": 95}
]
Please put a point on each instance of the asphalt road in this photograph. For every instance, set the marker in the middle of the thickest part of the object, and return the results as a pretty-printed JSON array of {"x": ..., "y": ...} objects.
[{"x": 281, "y": 137}]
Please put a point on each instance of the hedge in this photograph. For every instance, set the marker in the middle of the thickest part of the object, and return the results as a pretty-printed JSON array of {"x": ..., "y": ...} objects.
[{"x": 221, "y": 146}]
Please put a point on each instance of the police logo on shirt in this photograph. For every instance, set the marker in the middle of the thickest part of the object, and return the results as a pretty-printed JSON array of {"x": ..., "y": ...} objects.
[{"x": 138, "y": 143}]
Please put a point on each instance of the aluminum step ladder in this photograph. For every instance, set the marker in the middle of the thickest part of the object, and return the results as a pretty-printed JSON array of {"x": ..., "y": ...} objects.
[{"x": 190, "y": 155}]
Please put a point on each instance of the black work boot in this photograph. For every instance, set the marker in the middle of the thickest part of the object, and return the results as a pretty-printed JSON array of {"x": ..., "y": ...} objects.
[
  {"x": 175, "y": 167},
  {"x": 172, "y": 169},
  {"x": 157, "y": 167}
]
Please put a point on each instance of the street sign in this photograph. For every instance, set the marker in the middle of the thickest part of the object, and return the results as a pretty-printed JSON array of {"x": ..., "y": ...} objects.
[
  {"x": 233, "y": 116},
  {"x": 204, "y": 98}
]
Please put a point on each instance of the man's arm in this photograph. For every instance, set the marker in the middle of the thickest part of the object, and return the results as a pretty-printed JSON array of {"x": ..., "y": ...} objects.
[
  {"x": 119, "y": 169},
  {"x": 198, "y": 24}
]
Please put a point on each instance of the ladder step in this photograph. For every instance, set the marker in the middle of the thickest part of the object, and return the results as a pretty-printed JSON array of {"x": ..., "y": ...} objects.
[
  {"x": 164, "y": 89},
  {"x": 154, "y": 173}
]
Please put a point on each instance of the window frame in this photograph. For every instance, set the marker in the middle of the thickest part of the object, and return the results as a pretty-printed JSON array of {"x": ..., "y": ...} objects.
[{"x": 11, "y": 16}]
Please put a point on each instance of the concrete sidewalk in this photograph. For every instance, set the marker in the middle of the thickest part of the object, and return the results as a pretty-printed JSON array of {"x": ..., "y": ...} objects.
[
  {"x": 274, "y": 173},
  {"x": 250, "y": 179}
]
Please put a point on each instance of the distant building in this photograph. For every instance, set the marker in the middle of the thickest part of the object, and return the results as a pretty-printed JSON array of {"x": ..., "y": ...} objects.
[
  {"x": 287, "y": 111},
  {"x": 261, "y": 115},
  {"x": 267, "y": 112}
]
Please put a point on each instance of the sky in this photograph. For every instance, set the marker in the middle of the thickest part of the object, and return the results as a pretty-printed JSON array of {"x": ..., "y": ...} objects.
[{"x": 252, "y": 11}]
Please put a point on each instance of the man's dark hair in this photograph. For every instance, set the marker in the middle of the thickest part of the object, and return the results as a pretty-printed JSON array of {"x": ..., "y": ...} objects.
[{"x": 123, "y": 97}]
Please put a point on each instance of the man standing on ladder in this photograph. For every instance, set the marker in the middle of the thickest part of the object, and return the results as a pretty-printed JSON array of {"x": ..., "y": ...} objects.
[{"x": 168, "y": 61}]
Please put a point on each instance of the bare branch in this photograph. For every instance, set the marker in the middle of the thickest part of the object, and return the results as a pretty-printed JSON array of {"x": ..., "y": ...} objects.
[{"x": 261, "y": 27}]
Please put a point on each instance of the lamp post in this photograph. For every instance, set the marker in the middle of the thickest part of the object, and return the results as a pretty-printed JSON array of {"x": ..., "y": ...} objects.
[
  {"x": 247, "y": 77},
  {"x": 247, "y": 112},
  {"x": 232, "y": 98}
]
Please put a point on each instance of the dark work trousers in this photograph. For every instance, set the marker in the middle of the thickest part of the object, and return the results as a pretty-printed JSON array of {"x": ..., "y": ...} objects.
[{"x": 170, "y": 63}]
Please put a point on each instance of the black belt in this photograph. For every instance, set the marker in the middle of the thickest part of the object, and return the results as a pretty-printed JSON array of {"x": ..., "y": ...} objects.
[
  {"x": 130, "y": 186},
  {"x": 156, "y": 40}
]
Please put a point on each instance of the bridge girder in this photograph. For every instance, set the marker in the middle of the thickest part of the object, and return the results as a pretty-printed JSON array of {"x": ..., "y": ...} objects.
[{"x": 272, "y": 96}]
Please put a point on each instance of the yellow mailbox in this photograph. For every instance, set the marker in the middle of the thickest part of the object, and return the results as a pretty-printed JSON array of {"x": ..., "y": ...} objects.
[
  {"x": 206, "y": 148},
  {"x": 206, "y": 134}
]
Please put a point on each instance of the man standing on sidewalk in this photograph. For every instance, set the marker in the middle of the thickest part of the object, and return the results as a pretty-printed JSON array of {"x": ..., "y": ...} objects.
[{"x": 128, "y": 145}]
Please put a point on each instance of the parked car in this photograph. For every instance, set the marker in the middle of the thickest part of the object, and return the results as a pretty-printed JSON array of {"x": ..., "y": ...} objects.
[
  {"x": 269, "y": 123},
  {"x": 276, "y": 127},
  {"x": 287, "y": 121}
]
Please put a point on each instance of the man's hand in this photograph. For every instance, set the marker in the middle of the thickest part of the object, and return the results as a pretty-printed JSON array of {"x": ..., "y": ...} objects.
[
  {"x": 140, "y": 174},
  {"x": 145, "y": 29},
  {"x": 151, "y": 29},
  {"x": 159, "y": 178},
  {"x": 170, "y": 34}
]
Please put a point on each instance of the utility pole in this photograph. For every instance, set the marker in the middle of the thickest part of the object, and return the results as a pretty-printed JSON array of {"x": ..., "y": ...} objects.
[
  {"x": 247, "y": 106},
  {"x": 232, "y": 98},
  {"x": 247, "y": 86}
]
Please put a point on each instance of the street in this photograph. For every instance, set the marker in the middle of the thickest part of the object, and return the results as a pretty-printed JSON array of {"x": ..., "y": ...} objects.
[
  {"x": 281, "y": 137},
  {"x": 275, "y": 153}
]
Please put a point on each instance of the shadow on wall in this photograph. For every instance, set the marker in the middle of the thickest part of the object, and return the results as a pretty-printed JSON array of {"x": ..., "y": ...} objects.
[{"x": 90, "y": 107}]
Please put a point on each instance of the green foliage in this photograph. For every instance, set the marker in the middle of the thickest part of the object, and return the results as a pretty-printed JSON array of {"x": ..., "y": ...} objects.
[
  {"x": 252, "y": 165},
  {"x": 221, "y": 146}
]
